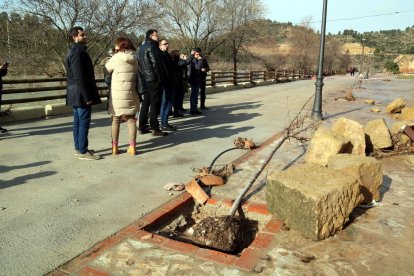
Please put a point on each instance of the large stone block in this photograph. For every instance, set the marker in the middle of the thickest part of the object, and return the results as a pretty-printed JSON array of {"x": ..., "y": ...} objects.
[
  {"x": 407, "y": 113},
  {"x": 367, "y": 170},
  {"x": 398, "y": 127},
  {"x": 395, "y": 106},
  {"x": 354, "y": 132},
  {"x": 312, "y": 199},
  {"x": 378, "y": 134},
  {"x": 324, "y": 144}
]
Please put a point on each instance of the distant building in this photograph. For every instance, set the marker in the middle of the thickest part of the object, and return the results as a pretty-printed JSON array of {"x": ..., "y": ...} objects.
[{"x": 405, "y": 63}]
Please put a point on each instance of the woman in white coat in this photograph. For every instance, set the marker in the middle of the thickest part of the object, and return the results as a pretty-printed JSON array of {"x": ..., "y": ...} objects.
[{"x": 123, "y": 101}]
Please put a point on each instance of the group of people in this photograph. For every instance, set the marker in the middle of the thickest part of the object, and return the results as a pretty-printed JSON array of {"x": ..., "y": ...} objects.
[{"x": 152, "y": 82}]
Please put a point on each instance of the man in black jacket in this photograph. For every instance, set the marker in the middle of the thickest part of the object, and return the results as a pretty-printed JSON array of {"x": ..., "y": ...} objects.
[
  {"x": 203, "y": 75},
  {"x": 152, "y": 75},
  {"x": 3, "y": 72},
  {"x": 82, "y": 91}
]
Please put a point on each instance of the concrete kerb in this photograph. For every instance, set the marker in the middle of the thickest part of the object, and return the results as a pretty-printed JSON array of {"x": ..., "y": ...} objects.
[
  {"x": 41, "y": 111},
  {"x": 55, "y": 109}
]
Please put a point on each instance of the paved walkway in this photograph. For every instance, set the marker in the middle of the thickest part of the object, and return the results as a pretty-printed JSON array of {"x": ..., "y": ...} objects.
[{"x": 54, "y": 207}]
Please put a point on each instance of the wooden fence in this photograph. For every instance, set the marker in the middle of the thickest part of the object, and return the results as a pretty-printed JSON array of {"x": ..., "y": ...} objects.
[{"x": 36, "y": 90}]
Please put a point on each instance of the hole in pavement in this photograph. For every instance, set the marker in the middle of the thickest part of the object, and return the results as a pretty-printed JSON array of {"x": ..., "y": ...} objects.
[{"x": 184, "y": 225}]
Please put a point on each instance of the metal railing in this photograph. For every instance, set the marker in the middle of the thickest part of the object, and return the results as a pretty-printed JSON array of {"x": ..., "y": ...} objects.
[{"x": 44, "y": 89}]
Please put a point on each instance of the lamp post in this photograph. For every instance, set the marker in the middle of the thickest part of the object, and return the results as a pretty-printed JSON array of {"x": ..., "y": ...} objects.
[
  {"x": 363, "y": 55},
  {"x": 317, "y": 105}
]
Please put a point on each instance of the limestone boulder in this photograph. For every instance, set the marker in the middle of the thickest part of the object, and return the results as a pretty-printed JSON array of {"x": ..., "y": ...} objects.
[
  {"x": 367, "y": 170},
  {"x": 378, "y": 135},
  {"x": 407, "y": 113},
  {"x": 398, "y": 127},
  {"x": 312, "y": 199},
  {"x": 395, "y": 106},
  {"x": 324, "y": 144},
  {"x": 369, "y": 101},
  {"x": 375, "y": 109},
  {"x": 352, "y": 131}
]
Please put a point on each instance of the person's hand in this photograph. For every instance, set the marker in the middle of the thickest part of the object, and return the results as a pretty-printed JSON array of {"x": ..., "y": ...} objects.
[
  {"x": 88, "y": 102},
  {"x": 4, "y": 66},
  {"x": 203, "y": 69}
]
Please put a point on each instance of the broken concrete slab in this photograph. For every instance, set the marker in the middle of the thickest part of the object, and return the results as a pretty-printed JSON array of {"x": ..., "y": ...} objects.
[
  {"x": 378, "y": 135},
  {"x": 324, "y": 144},
  {"x": 395, "y": 106},
  {"x": 354, "y": 132},
  {"x": 367, "y": 170},
  {"x": 312, "y": 199},
  {"x": 196, "y": 192}
]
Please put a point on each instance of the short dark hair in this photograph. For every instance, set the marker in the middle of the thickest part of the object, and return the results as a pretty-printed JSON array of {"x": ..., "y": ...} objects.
[
  {"x": 198, "y": 50},
  {"x": 124, "y": 44},
  {"x": 149, "y": 33},
  {"x": 74, "y": 32}
]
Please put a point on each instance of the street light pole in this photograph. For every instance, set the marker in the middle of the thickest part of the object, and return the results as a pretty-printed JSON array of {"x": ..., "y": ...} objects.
[
  {"x": 317, "y": 105},
  {"x": 363, "y": 54}
]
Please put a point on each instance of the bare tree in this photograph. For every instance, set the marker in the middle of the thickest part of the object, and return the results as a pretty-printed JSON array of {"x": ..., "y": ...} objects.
[
  {"x": 195, "y": 22},
  {"x": 334, "y": 59},
  {"x": 103, "y": 20},
  {"x": 239, "y": 16},
  {"x": 304, "y": 46}
]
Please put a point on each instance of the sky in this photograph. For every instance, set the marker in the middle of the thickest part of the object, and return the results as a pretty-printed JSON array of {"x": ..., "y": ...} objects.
[{"x": 360, "y": 15}]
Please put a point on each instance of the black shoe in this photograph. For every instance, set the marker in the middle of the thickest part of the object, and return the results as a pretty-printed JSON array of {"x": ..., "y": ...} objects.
[
  {"x": 203, "y": 107},
  {"x": 177, "y": 115},
  {"x": 3, "y": 130},
  {"x": 196, "y": 112},
  {"x": 144, "y": 131},
  {"x": 169, "y": 128},
  {"x": 159, "y": 133},
  {"x": 182, "y": 110}
]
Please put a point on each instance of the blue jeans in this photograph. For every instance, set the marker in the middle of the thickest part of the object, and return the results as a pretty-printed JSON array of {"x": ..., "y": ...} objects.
[
  {"x": 81, "y": 123},
  {"x": 166, "y": 104},
  {"x": 195, "y": 88}
]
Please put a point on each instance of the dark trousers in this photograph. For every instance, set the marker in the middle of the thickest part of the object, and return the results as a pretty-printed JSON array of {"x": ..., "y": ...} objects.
[
  {"x": 151, "y": 105},
  {"x": 178, "y": 96},
  {"x": 195, "y": 90},
  {"x": 81, "y": 123},
  {"x": 203, "y": 93}
]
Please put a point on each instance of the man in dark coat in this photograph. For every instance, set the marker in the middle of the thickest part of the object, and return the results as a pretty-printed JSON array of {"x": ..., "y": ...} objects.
[
  {"x": 203, "y": 75},
  {"x": 3, "y": 72},
  {"x": 152, "y": 75},
  {"x": 82, "y": 91},
  {"x": 194, "y": 78}
]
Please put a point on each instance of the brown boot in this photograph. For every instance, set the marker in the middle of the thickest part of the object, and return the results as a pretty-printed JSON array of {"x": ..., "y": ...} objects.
[
  {"x": 131, "y": 149},
  {"x": 114, "y": 147}
]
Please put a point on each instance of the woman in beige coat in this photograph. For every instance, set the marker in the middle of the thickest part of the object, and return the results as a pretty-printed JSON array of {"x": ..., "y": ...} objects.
[{"x": 123, "y": 101}]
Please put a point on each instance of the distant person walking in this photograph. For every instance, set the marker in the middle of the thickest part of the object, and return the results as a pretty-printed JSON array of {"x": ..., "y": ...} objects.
[
  {"x": 3, "y": 72},
  {"x": 152, "y": 75},
  {"x": 124, "y": 100},
  {"x": 82, "y": 92}
]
